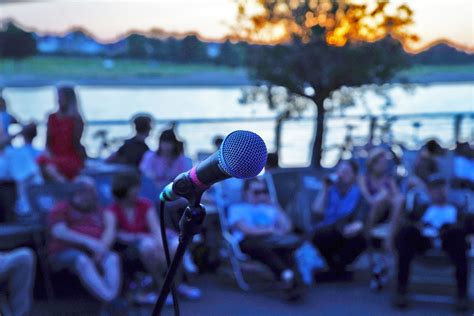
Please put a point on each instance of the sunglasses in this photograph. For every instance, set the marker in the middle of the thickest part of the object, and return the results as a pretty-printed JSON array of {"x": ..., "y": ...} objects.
[{"x": 260, "y": 192}]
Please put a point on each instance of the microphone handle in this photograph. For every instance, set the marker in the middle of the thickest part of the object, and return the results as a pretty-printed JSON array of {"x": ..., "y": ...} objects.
[{"x": 208, "y": 171}]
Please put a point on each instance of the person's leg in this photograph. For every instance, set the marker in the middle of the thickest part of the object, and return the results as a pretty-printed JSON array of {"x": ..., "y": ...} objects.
[
  {"x": 454, "y": 243},
  {"x": 112, "y": 273},
  {"x": 351, "y": 249},
  {"x": 408, "y": 242},
  {"x": 152, "y": 256},
  {"x": 397, "y": 203},
  {"x": 328, "y": 241},
  {"x": 86, "y": 270},
  {"x": 18, "y": 266},
  {"x": 267, "y": 256}
]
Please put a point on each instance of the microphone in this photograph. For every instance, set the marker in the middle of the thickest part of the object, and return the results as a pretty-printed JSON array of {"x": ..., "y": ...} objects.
[{"x": 242, "y": 155}]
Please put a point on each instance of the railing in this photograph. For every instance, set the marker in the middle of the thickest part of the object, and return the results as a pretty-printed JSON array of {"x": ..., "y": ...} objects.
[
  {"x": 409, "y": 129},
  {"x": 102, "y": 137}
]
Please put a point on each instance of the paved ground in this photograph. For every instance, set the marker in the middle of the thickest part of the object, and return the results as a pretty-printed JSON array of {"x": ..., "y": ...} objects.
[{"x": 222, "y": 297}]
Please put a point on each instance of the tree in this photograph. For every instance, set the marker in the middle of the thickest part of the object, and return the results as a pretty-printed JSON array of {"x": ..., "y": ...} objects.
[
  {"x": 137, "y": 46},
  {"x": 192, "y": 50},
  {"x": 230, "y": 54},
  {"x": 16, "y": 43},
  {"x": 322, "y": 46}
]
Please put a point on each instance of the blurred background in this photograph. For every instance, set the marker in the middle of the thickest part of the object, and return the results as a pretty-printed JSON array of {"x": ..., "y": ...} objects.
[
  {"x": 321, "y": 81},
  {"x": 195, "y": 64}
]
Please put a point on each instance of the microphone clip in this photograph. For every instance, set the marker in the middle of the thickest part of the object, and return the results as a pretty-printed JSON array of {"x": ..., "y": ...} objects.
[{"x": 183, "y": 186}]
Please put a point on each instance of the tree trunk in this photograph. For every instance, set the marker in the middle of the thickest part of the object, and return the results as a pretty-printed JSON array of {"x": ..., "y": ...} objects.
[
  {"x": 278, "y": 127},
  {"x": 317, "y": 152}
]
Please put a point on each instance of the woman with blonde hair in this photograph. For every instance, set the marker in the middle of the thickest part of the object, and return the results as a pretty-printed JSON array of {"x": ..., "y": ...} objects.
[{"x": 381, "y": 192}]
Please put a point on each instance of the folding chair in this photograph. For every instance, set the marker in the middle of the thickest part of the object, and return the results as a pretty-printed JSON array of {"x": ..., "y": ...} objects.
[
  {"x": 234, "y": 194},
  {"x": 295, "y": 190}
]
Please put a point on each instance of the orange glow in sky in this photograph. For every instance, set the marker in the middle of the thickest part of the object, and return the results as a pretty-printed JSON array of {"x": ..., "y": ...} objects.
[{"x": 107, "y": 19}]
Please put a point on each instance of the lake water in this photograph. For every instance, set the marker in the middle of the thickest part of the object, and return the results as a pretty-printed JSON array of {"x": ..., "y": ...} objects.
[{"x": 165, "y": 103}]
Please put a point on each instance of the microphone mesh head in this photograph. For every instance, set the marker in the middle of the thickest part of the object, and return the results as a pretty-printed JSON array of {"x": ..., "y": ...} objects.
[{"x": 243, "y": 154}]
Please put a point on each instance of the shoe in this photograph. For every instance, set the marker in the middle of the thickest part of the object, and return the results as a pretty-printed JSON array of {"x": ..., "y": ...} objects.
[
  {"x": 461, "y": 304},
  {"x": 189, "y": 292},
  {"x": 189, "y": 264},
  {"x": 400, "y": 300},
  {"x": 287, "y": 277},
  {"x": 145, "y": 298}
]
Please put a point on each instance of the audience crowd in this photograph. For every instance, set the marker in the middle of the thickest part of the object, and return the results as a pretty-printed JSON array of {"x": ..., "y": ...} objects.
[{"x": 95, "y": 242}]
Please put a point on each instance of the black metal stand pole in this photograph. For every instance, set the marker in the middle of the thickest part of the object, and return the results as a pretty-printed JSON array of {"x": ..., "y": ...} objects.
[{"x": 189, "y": 224}]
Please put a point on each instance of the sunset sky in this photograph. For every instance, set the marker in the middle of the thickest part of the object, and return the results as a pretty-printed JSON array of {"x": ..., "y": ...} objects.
[{"x": 108, "y": 19}]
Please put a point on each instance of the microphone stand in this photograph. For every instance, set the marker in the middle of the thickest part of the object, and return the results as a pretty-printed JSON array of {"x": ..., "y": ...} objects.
[{"x": 189, "y": 225}]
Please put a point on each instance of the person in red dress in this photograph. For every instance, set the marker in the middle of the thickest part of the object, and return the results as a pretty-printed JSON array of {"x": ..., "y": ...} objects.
[
  {"x": 139, "y": 233},
  {"x": 64, "y": 157}
]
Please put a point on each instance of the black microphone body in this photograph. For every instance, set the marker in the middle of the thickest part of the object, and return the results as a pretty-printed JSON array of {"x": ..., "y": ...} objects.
[{"x": 243, "y": 154}]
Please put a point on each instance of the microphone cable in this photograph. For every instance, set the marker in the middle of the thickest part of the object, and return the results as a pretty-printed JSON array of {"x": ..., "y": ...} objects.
[{"x": 164, "y": 239}]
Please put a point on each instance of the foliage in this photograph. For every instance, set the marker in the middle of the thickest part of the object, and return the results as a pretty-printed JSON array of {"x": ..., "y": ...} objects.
[
  {"x": 16, "y": 43},
  {"x": 323, "y": 46}
]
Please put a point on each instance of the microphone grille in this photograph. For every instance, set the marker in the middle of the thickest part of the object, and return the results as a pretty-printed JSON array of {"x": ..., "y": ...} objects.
[{"x": 243, "y": 154}]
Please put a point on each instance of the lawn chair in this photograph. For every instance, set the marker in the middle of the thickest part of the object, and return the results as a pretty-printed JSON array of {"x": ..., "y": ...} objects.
[
  {"x": 237, "y": 258},
  {"x": 295, "y": 190},
  {"x": 231, "y": 188}
]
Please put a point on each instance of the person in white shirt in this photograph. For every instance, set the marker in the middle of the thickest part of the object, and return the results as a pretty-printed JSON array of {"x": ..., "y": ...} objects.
[
  {"x": 426, "y": 224},
  {"x": 264, "y": 232}
]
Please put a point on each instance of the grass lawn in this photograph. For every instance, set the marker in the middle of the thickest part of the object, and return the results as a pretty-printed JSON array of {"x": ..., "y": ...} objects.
[
  {"x": 425, "y": 70},
  {"x": 98, "y": 67}
]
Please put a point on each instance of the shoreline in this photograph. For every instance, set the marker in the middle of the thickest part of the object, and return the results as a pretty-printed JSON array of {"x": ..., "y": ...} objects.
[{"x": 203, "y": 79}]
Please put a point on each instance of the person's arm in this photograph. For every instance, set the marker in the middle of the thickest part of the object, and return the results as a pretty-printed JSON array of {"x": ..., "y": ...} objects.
[
  {"x": 146, "y": 165},
  {"x": 365, "y": 191},
  {"x": 62, "y": 232},
  {"x": 48, "y": 134},
  {"x": 283, "y": 224},
  {"x": 251, "y": 230},
  {"x": 153, "y": 223},
  {"x": 78, "y": 130},
  {"x": 320, "y": 202},
  {"x": 14, "y": 120},
  {"x": 5, "y": 140},
  {"x": 108, "y": 236}
]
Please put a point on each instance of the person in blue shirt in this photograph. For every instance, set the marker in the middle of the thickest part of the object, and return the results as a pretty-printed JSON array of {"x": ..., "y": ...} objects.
[
  {"x": 340, "y": 206},
  {"x": 6, "y": 119}
]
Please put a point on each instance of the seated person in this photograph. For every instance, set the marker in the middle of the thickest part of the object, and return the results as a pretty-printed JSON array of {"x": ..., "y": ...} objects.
[
  {"x": 425, "y": 165},
  {"x": 17, "y": 270},
  {"x": 167, "y": 162},
  {"x": 13, "y": 169},
  {"x": 139, "y": 233},
  {"x": 133, "y": 149},
  {"x": 339, "y": 235},
  {"x": 380, "y": 190},
  {"x": 425, "y": 226},
  {"x": 81, "y": 239},
  {"x": 6, "y": 118},
  {"x": 264, "y": 231},
  {"x": 23, "y": 166},
  {"x": 464, "y": 166}
]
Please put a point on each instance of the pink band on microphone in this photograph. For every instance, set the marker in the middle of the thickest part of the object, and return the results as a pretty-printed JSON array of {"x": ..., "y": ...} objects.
[{"x": 195, "y": 180}]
